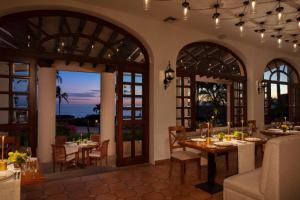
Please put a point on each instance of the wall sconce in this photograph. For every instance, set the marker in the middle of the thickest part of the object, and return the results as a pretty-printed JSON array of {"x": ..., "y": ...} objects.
[
  {"x": 169, "y": 76},
  {"x": 261, "y": 85}
]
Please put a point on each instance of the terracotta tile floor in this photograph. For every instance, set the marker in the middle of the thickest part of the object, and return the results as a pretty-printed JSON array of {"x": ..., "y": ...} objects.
[{"x": 144, "y": 182}]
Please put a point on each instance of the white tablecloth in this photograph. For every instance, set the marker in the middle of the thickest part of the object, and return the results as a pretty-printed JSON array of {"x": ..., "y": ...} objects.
[{"x": 246, "y": 156}]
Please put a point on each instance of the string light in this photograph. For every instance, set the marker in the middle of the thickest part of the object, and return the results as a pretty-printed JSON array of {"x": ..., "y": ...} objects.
[
  {"x": 295, "y": 45},
  {"x": 298, "y": 22},
  {"x": 186, "y": 7},
  {"x": 253, "y": 7},
  {"x": 146, "y": 5},
  {"x": 279, "y": 41},
  {"x": 216, "y": 16},
  {"x": 240, "y": 24},
  {"x": 279, "y": 10},
  {"x": 262, "y": 35}
]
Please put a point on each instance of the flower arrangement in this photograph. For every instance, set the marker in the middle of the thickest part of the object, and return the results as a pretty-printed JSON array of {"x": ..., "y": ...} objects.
[
  {"x": 284, "y": 127},
  {"x": 17, "y": 157}
]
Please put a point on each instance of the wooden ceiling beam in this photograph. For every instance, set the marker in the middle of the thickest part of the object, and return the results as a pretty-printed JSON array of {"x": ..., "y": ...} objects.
[
  {"x": 75, "y": 40},
  {"x": 38, "y": 27},
  {"x": 60, "y": 31},
  {"x": 76, "y": 58},
  {"x": 111, "y": 39},
  {"x": 95, "y": 35},
  {"x": 8, "y": 40}
]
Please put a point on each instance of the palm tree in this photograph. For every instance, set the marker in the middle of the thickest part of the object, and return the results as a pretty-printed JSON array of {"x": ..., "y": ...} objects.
[
  {"x": 58, "y": 78},
  {"x": 97, "y": 108},
  {"x": 61, "y": 96}
]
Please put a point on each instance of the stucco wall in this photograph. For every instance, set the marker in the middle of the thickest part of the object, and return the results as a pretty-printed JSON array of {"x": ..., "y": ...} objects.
[{"x": 163, "y": 42}]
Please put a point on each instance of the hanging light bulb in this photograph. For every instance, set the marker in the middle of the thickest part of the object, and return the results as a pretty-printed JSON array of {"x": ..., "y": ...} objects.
[
  {"x": 241, "y": 27},
  {"x": 279, "y": 41},
  {"x": 216, "y": 16},
  {"x": 295, "y": 46},
  {"x": 298, "y": 22},
  {"x": 253, "y": 7},
  {"x": 262, "y": 35},
  {"x": 186, "y": 8},
  {"x": 146, "y": 5},
  {"x": 279, "y": 10}
]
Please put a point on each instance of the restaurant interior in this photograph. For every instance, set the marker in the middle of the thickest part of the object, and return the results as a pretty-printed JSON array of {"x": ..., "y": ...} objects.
[{"x": 199, "y": 99}]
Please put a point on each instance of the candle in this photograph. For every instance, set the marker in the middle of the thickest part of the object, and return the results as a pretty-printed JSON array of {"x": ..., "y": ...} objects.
[
  {"x": 228, "y": 127},
  {"x": 207, "y": 140},
  {"x": 285, "y": 120},
  {"x": 2, "y": 147},
  {"x": 242, "y": 125}
]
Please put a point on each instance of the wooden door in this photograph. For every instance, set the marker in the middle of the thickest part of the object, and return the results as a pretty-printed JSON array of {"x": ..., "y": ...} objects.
[
  {"x": 18, "y": 99},
  {"x": 132, "y": 117}
]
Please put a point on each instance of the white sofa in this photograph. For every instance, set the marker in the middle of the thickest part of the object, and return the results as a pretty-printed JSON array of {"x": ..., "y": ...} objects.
[{"x": 277, "y": 179}]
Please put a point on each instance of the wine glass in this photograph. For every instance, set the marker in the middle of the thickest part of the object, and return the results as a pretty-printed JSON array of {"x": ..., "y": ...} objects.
[
  {"x": 250, "y": 131},
  {"x": 29, "y": 152}
]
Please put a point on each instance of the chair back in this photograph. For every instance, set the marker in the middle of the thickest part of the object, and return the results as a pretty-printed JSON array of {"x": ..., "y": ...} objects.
[
  {"x": 96, "y": 138},
  {"x": 176, "y": 133},
  {"x": 252, "y": 124},
  {"x": 280, "y": 178},
  {"x": 60, "y": 139},
  {"x": 58, "y": 152},
  {"x": 104, "y": 148},
  {"x": 11, "y": 144},
  {"x": 205, "y": 126}
]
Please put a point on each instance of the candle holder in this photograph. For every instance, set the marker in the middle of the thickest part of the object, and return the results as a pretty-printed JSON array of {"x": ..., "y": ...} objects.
[{"x": 3, "y": 163}]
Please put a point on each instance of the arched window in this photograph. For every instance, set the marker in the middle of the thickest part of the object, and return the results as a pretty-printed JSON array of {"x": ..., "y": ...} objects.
[
  {"x": 44, "y": 36},
  {"x": 281, "y": 91},
  {"x": 211, "y": 81}
]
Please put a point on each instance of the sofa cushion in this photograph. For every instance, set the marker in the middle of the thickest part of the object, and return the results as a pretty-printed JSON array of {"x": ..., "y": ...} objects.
[
  {"x": 185, "y": 155},
  {"x": 246, "y": 184},
  {"x": 281, "y": 166}
]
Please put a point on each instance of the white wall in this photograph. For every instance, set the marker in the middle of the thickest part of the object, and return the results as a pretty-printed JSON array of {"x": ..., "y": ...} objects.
[{"x": 163, "y": 42}]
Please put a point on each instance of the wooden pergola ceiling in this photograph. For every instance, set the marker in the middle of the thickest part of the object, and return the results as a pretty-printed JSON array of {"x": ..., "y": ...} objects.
[
  {"x": 57, "y": 33},
  {"x": 211, "y": 60}
]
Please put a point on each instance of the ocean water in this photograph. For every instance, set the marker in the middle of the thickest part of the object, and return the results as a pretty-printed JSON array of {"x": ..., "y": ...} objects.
[{"x": 77, "y": 110}]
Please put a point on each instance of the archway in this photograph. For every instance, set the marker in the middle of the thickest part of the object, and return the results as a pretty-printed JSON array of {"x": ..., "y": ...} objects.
[
  {"x": 33, "y": 39},
  {"x": 281, "y": 94},
  {"x": 204, "y": 64}
]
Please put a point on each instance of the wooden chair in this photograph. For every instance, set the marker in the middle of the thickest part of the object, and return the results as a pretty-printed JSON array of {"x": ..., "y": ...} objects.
[
  {"x": 177, "y": 133},
  {"x": 60, "y": 140},
  {"x": 96, "y": 138},
  {"x": 100, "y": 154},
  {"x": 252, "y": 124},
  {"x": 206, "y": 126},
  {"x": 11, "y": 144},
  {"x": 60, "y": 156}
]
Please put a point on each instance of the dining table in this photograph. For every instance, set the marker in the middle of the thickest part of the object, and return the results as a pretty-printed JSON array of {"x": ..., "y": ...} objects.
[
  {"x": 83, "y": 147},
  {"x": 276, "y": 132},
  {"x": 212, "y": 150}
]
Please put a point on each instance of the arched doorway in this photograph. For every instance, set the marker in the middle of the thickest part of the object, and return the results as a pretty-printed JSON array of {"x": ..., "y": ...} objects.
[
  {"x": 208, "y": 68},
  {"x": 33, "y": 39},
  {"x": 281, "y": 97}
]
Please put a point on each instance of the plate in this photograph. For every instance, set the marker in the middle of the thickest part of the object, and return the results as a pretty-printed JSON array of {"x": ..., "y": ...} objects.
[
  {"x": 252, "y": 139},
  {"x": 211, "y": 146},
  {"x": 5, "y": 175},
  {"x": 198, "y": 139},
  {"x": 274, "y": 129},
  {"x": 223, "y": 144}
]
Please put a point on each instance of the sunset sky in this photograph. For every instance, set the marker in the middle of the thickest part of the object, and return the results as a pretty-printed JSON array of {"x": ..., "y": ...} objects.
[{"x": 82, "y": 88}]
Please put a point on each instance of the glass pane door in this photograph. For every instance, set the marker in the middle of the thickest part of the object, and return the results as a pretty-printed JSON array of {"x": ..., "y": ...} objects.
[{"x": 132, "y": 114}]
